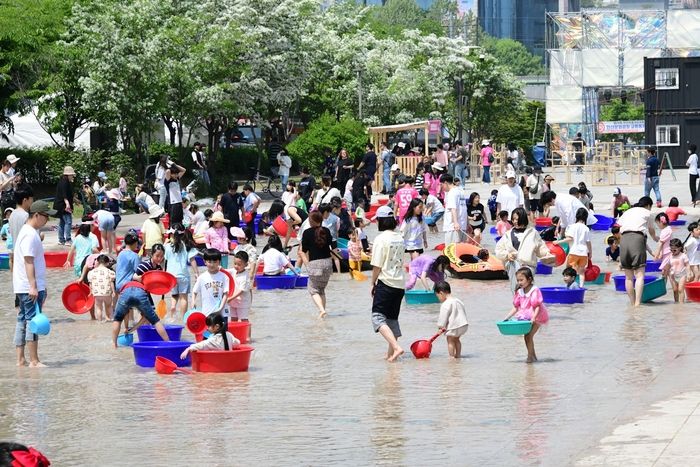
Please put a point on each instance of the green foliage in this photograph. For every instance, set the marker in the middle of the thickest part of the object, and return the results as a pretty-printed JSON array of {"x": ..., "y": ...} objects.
[
  {"x": 402, "y": 13},
  {"x": 327, "y": 132},
  {"x": 617, "y": 111},
  {"x": 517, "y": 126},
  {"x": 514, "y": 56}
]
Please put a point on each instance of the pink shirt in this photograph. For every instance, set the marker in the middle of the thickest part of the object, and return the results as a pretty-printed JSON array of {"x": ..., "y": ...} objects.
[
  {"x": 432, "y": 183},
  {"x": 403, "y": 198},
  {"x": 679, "y": 264},
  {"x": 485, "y": 156},
  {"x": 526, "y": 304},
  {"x": 441, "y": 157},
  {"x": 502, "y": 227},
  {"x": 217, "y": 238},
  {"x": 674, "y": 212}
]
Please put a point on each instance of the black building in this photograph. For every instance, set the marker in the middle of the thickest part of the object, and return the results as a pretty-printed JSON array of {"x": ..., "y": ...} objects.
[{"x": 672, "y": 105}]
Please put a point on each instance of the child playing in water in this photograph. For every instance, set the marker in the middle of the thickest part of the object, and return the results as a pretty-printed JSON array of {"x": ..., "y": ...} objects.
[
  {"x": 101, "y": 281},
  {"x": 360, "y": 224},
  {"x": 263, "y": 223},
  {"x": 219, "y": 339},
  {"x": 663, "y": 252},
  {"x": 272, "y": 258},
  {"x": 503, "y": 224},
  {"x": 528, "y": 306},
  {"x": 216, "y": 236},
  {"x": 551, "y": 233},
  {"x": 569, "y": 275},
  {"x": 239, "y": 302},
  {"x": 426, "y": 266},
  {"x": 452, "y": 320},
  {"x": 178, "y": 253},
  {"x": 579, "y": 236},
  {"x": 612, "y": 252},
  {"x": 673, "y": 211},
  {"x": 414, "y": 230},
  {"x": 212, "y": 285},
  {"x": 354, "y": 252},
  {"x": 691, "y": 250},
  {"x": 678, "y": 270}
]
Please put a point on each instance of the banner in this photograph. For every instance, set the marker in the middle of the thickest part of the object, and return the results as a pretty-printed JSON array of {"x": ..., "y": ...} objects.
[
  {"x": 633, "y": 126},
  {"x": 434, "y": 126}
]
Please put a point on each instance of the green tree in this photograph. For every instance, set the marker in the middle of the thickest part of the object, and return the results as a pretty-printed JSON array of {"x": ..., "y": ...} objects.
[
  {"x": 617, "y": 111},
  {"x": 524, "y": 126},
  {"x": 401, "y": 13},
  {"x": 515, "y": 57},
  {"x": 327, "y": 132}
]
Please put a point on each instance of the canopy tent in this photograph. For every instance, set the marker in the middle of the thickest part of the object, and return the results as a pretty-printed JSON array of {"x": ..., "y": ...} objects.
[{"x": 29, "y": 134}]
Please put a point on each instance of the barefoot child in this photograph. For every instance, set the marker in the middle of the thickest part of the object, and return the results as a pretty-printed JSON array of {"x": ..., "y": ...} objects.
[
  {"x": 691, "y": 250},
  {"x": 679, "y": 270},
  {"x": 663, "y": 252},
  {"x": 239, "y": 302},
  {"x": 219, "y": 339},
  {"x": 569, "y": 275},
  {"x": 101, "y": 280},
  {"x": 178, "y": 253},
  {"x": 354, "y": 251},
  {"x": 387, "y": 281},
  {"x": 528, "y": 306},
  {"x": 612, "y": 252},
  {"x": 452, "y": 320},
  {"x": 579, "y": 236},
  {"x": 134, "y": 294}
]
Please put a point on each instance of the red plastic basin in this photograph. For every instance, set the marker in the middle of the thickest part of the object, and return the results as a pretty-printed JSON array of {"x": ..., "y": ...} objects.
[
  {"x": 543, "y": 221},
  {"x": 158, "y": 282},
  {"x": 77, "y": 299},
  {"x": 692, "y": 291},
  {"x": 383, "y": 201},
  {"x": 222, "y": 361},
  {"x": 56, "y": 259},
  {"x": 239, "y": 329}
]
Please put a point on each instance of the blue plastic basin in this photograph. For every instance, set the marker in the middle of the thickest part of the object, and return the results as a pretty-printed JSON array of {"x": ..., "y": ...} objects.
[
  {"x": 652, "y": 266},
  {"x": 602, "y": 223},
  {"x": 420, "y": 297},
  {"x": 145, "y": 353},
  {"x": 678, "y": 222},
  {"x": 493, "y": 231},
  {"x": 302, "y": 281},
  {"x": 275, "y": 282},
  {"x": 620, "y": 281},
  {"x": 542, "y": 269},
  {"x": 513, "y": 327},
  {"x": 4, "y": 261},
  {"x": 148, "y": 333},
  {"x": 562, "y": 295}
]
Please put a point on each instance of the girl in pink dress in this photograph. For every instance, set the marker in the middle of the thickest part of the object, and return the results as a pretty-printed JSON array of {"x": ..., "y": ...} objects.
[
  {"x": 663, "y": 252},
  {"x": 528, "y": 306}
]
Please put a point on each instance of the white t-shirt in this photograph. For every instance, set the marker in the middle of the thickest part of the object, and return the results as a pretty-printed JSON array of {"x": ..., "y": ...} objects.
[
  {"x": 321, "y": 194},
  {"x": 581, "y": 235},
  {"x": 566, "y": 206},
  {"x": 510, "y": 197},
  {"x": 691, "y": 251},
  {"x": 454, "y": 199},
  {"x": 242, "y": 281},
  {"x": 693, "y": 167},
  {"x": 387, "y": 253},
  {"x": 160, "y": 176},
  {"x": 102, "y": 215},
  {"x": 636, "y": 220},
  {"x": 212, "y": 287},
  {"x": 273, "y": 260},
  {"x": 285, "y": 164},
  {"x": 534, "y": 180},
  {"x": 435, "y": 204},
  {"x": 28, "y": 243}
]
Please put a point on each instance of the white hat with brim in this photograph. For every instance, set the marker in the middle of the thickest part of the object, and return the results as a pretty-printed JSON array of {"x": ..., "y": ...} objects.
[
  {"x": 485, "y": 142},
  {"x": 12, "y": 158},
  {"x": 155, "y": 211},
  {"x": 218, "y": 216},
  {"x": 114, "y": 194},
  {"x": 237, "y": 232},
  {"x": 68, "y": 170},
  {"x": 437, "y": 165},
  {"x": 395, "y": 167}
]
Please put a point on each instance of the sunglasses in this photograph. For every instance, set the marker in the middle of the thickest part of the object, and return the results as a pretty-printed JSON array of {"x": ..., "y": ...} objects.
[{"x": 44, "y": 214}]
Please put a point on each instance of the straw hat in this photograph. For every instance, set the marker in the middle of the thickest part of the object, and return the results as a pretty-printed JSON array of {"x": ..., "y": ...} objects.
[
  {"x": 68, "y": 170},
  {"x": 218, "y": 216},
  {"x": 155, "y": 211}
]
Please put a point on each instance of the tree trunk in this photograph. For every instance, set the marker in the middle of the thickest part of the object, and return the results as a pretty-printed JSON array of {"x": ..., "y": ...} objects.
[{"x": 170, "y": 123}]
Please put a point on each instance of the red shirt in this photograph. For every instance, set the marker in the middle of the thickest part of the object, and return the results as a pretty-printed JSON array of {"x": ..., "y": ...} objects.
[
  {"x": 404, "y": 196},
  {"x": 674, "y": 212}
]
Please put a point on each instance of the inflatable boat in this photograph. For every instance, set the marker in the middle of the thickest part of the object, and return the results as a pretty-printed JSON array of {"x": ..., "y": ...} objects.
[{"x": 465, "y": 264}]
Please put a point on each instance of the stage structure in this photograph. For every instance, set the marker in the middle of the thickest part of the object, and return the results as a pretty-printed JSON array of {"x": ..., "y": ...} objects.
[{"x": 594, "y": 55}]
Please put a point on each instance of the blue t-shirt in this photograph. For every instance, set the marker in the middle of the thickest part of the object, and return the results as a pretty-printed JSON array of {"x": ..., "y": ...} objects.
[
  {"x": 127, "y": 262},
  {"x": 177, "y": 262},
  {"x": 612, "y": 255},
  {"x": 653, "y": 167}
]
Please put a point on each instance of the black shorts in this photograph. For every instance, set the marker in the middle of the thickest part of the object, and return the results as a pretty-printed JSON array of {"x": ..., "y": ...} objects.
[
  {"x": 419, "y": 251},
  {"x": 387, "y": 300},
  {"x": 334, "y": 244},
  {"x": 535, "y": 205}
]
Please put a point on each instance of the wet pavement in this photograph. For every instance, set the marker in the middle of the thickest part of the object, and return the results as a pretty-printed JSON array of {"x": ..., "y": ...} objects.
[{"x": 318, "y": 392}]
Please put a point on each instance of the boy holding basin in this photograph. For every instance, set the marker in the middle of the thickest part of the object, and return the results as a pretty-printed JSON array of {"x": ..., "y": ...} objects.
[
  {"x": 212, "y": 285},
  {"x": 134, "y": 294}
]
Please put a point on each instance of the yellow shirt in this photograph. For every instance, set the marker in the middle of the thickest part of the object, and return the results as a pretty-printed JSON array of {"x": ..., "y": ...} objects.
[
  {"x": 387, "y": 254},
  {"x": 152, "y": 233}
]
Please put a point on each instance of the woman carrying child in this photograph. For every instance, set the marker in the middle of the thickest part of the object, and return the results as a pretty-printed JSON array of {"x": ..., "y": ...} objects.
[
  {"x": 219, "y": 339},
  {"x": 216, "y": 236},
  {"x": 101, "y": 280},
  {"x": 528, "y": 305},
  {"x": 178, "y": 253},
  {"x": 316, "y": 246},
  {"x": 520, "y": 247},
  {"x": 424, "y": 267},
  {"x": 414, "y": 230}
]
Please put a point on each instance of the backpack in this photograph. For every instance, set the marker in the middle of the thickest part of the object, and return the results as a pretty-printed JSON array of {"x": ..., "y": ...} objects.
[
  {"x": 491, "y": 159},
  {"x": 536, "y": 188}
]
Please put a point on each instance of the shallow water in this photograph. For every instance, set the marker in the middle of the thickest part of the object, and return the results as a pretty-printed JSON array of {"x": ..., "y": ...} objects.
[{"x": 319, "y": 393}]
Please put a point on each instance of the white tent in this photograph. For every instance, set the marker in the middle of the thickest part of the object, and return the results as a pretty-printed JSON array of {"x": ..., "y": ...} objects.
[{"x": 28, "y": 133}]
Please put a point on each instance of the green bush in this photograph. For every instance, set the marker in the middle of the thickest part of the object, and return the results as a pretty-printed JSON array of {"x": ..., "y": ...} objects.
[{"x": 327, "y": 132}]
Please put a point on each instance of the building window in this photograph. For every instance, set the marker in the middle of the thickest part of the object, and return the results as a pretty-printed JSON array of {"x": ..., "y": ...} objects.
[
  {"x": 666, "y": 78},
  {"x": 668, "y": 135}
]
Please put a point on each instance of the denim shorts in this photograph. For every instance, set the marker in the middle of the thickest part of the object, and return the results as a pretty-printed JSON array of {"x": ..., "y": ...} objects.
[
  {"x": 139, "y": 299},
  {"x": 106, "y": 225},
  {"x": 436, "y": 217},
  {"x": 182, "y": 286},
  {"x": 379, "y": 320},
  {"x": 27, "y": 310}
]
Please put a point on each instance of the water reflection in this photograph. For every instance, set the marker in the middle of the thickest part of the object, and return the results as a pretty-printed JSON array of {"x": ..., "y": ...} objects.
[{"x": 387, "y": 438}]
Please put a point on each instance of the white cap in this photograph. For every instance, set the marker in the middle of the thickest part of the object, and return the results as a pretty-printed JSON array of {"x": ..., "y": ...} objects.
[
  {"x": 384, "y": 211},
  {"x": 395, "y": 167},
  {"x": 510, "y": 174}
]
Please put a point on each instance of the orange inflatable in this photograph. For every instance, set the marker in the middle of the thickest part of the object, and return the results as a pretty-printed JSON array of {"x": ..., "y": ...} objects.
[{"x": 465, "y": 264}]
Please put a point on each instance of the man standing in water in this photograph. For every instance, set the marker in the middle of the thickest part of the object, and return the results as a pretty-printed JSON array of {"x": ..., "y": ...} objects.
[
  {"x": 634, "y": 224},
  {"x": 29, "y": 280},
  {"x": 388, "y": 286}
]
